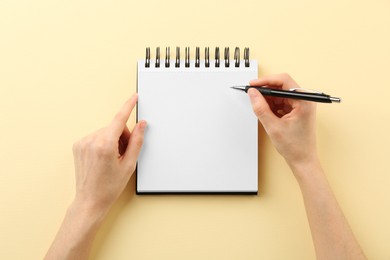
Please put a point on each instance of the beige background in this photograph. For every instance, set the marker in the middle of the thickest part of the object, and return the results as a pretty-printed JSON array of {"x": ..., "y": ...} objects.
[{"x": 67, "y": 66}]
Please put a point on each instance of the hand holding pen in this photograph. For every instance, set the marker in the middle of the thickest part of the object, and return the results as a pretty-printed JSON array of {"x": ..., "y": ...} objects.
[
  {"x": 294, "y": 93},
  {"x": 290, "y": 123}
]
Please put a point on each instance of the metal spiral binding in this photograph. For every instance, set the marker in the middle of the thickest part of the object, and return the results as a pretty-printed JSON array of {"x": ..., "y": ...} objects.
[
  {"x": 217, "y": 57},
  {"x": 207, "y": 57},
  {"x": 177, "y": 63},
  {"x": 227, "y": 61},
  {"x": 246, "y": 57},
  {"x": 167, "y": 56},
  {"x": 237, "y": 57},
  {"x": 197, "y": 57},
  {"x": 187, "y": 57},
  {"x": 157, "y": 57},
  {"x": 147, "y": 60}
]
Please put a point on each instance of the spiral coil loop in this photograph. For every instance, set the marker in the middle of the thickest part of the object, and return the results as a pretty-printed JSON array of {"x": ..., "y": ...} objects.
[
  {"x": 147, "y": 60},
  {"x": 167, "y": 57},
  {"x": 157, "y": 57},
  {"x": 246, "y": 57},
  {"x": 177, "y": 63},
  {"x": 237, "y": 57},
  {"x": 187, "y": 57},
  {"x": 217, "y": 57},
  {"x": 207, "y": 57},
  {"x": 197, "y": 57},
  {"x": 227, "y": 57}
]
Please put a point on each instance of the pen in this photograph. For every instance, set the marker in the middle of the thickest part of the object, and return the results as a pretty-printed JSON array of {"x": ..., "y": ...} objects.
[{"x": 292, "y": 93}]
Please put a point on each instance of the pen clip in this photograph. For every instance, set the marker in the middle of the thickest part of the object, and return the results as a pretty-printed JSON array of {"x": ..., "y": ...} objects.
[{"x": 309, "y": 91}]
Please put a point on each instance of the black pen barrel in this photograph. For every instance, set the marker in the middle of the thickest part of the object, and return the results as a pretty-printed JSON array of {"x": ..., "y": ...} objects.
[{"x": 295, "y": 95}]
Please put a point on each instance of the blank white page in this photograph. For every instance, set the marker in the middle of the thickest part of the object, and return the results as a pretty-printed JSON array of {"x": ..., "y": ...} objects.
[{"x": 201, "y": 135}]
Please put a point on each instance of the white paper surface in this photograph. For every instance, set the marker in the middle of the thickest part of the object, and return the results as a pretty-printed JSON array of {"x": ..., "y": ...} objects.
[{"x": 201, "y": 134}]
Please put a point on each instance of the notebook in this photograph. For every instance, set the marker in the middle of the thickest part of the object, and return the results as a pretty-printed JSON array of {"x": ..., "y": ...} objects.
[{"x": 202, "y": 134}]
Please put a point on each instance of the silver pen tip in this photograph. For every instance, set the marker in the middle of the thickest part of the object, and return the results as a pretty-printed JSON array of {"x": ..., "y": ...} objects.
[{"x": 335, "y": 99}]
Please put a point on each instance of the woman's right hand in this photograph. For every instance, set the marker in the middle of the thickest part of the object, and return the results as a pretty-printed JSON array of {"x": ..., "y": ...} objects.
[{"x": 289, "y": 123}]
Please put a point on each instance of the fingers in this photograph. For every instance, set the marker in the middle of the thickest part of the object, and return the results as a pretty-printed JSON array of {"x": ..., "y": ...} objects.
[
  {"x": 124, "y": 140},
  {"x": 118, "y": 124},
  {"x": 262, "y": 109},
  {"x": 134, "y": 147},
  {"x": 278, "y": 80}
]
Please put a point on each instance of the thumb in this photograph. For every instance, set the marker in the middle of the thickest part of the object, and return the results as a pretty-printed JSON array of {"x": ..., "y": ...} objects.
[
  {"x": 261, "y": 108},
  {"x": 134, "y": 146}
]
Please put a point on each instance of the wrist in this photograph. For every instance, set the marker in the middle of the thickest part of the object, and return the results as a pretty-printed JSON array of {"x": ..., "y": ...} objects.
[
  {"x": 77, "y": 231},
  {"x": 88, "y": 211},
  {"x": 306, "y": 168}
]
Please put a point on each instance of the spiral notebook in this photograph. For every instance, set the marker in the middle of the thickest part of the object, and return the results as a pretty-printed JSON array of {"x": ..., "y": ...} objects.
[{"x": 201, "y": 135}]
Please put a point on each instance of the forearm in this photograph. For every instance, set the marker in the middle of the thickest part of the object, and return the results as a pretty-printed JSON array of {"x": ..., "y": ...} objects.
[
  {"x": 75, "y": 236},
  {"x": 332, "y": 236}
]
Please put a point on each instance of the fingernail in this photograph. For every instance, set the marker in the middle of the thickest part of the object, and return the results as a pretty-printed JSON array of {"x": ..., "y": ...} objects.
[
  {"x": 142, "y": 125},
  {"x": 252, "y": 93},
  {"x": 253, "y": 81}
]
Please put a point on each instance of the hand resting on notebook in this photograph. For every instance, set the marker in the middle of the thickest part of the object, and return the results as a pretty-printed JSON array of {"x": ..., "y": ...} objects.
[
  {"x": 291, "y": 126},
  {"x": 104, "y": 162}
]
